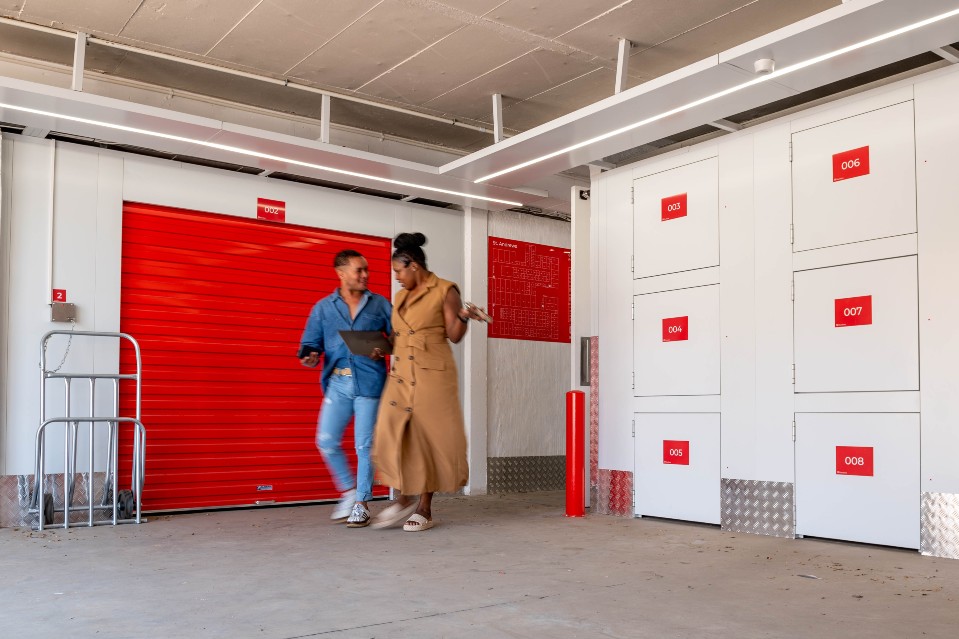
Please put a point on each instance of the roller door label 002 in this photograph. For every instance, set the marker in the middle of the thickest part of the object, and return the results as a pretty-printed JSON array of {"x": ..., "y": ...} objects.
[
  {"x": 676, "y": 329},
  {"x": 59, "y": 295},
  {"x": 270, "y": 210},
  {"x": 854, "y": 311},
  {"x": 676, "y": 452},
  {"x": 674, "y": 207},
  {"x": 850, "y": 164},
  {"x": 854, "y": 460}
]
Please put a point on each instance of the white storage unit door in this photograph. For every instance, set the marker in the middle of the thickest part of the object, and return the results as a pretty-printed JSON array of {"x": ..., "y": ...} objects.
[
  {"x": 676, "y": 342},
  {"x": 677, "y": 472},
  {"x": 856, "y": 327},
  {"x": 857, "y": 477},
  {"x": 855, "y": 179},
  {"x": 676, "y": 219}
]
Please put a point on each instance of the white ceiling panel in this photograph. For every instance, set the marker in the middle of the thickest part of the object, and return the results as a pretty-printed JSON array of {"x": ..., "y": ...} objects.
[
  {"x": 449, "y": 64},
  {"x": 551, "y": 19},
  {"x": 187, "y": 25},
  {"x": 520, "y": 79},
  {"x": 539, "y": 109},
  {"x": 90, "y": 16},
  {"x": 280, "y": 34},
  {"x": 374, "y": 44}
]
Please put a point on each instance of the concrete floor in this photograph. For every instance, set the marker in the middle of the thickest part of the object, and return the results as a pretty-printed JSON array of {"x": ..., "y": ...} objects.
[{"x": 494, "y": 566}]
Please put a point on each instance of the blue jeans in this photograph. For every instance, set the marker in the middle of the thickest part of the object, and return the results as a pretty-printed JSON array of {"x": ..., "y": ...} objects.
[{"x": 341, "y": 403}]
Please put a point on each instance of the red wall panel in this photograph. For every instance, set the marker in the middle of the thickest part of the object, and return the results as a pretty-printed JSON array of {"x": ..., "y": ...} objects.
[{"x": 218, "y": 305}]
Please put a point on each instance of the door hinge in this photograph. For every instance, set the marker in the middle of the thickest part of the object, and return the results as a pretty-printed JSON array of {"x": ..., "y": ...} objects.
[
  {"x": 794, "y": 430},
  {"x": 634, "y": 428},
  {"x": 790, "y": 150},
  {"x": 632, "y": 263},
  {"x": 632, "y": 195},
  {"x": 634, "y": 382},
  {"x": 794, "y": 375},
  {"x": 792, "y": 233},
  {"x": 792, "y": 290},
  {"x": 632, "y": 311}
]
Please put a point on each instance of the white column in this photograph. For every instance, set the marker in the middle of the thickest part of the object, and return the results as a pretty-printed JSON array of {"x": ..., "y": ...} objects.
[{"x": 475, "y": 348}]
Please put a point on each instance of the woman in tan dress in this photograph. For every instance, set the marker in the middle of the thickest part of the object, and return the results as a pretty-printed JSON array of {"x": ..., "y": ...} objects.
[{"x": 419, "y": 445}]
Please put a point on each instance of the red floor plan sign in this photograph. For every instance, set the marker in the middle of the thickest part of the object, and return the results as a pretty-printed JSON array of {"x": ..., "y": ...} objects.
[{"x": 529, "y": 291}]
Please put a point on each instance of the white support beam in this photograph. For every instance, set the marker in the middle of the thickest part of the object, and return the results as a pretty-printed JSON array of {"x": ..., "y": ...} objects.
[
  {"x": 325, "y": 119},
  {"x": 622, "y": 64},
  {"x": 726, "y": 125},
  {"x": 497, "y": 117},
  {"x": 265, "y": 173},
  {"x": 947, "y": 52},
  {"x": 600, "y": 164},
  {"x": 408, "y": 198},
  {"x": 79, "y": 58}
]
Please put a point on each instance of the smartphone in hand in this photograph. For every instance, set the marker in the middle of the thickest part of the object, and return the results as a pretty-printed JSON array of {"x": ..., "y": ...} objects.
[{"x": 483, "y": 315}]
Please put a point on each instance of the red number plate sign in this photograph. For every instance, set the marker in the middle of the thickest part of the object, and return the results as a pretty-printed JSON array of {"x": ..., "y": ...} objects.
[
  {"x": 674, "y": 206},
  {"x": 675, "y": 452},
  {"x": 854, "y": 460},
  {"x": 272, "y": 210},
  {"x": 854, "y": 311},
  {"x": 676, "y": 329},
  {"x": 850, "y": 164},
  {"x": 59, "y": 295}
]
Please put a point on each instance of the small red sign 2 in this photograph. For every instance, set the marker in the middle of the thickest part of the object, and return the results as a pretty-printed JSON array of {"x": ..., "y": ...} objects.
[
  {"x": 854, "y": 460},
  {"x": 850, "y": 164},
  {"x": 676, "y": 329},
  {"x": 854, "y": 311},
  {"x": 59, "y": 295},
  {"x": 675, "y": 452},
  {"x": 272, "y": 210},
  {"x": 674, "y": 206}
]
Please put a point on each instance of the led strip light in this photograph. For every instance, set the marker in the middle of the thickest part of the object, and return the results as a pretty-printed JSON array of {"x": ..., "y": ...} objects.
[
  {"x": 716, "y": 96},
  {"x": 256, "y": 154}
]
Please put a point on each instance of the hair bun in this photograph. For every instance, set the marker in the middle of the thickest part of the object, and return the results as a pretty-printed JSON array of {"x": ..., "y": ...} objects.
[{"x": 409, "y": 240}]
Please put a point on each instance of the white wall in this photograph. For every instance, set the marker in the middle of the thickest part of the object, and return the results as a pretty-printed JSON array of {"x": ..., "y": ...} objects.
[
  {"x": 527, "y": 380},
  {"x": 757, "y": 401},
  {"x": 89, "y": 187}
]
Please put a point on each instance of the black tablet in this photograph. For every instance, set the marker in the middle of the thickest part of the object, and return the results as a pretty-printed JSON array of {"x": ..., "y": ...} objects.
[{"x": 363, "y": 342}]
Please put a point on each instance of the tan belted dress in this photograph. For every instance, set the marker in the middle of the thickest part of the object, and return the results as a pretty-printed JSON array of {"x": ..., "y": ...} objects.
[{"x": 419, "y": 445}]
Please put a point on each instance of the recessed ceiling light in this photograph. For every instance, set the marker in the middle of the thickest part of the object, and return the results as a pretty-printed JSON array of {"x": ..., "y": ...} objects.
[{"x": 715, "y": 96}]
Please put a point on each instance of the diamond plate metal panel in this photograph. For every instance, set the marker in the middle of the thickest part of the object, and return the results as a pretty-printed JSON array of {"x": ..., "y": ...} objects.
[
  {"x": 758, "y": 507},
  {"x": 939, "y": 535},
  {"x": 613, "y": 494},
  {"x": 526, "y": 474},
  {"x": 15, "y": 493}
]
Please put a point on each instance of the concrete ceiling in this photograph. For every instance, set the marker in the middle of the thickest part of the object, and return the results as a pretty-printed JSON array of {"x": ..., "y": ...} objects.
[{"x": 547, "y": 58}]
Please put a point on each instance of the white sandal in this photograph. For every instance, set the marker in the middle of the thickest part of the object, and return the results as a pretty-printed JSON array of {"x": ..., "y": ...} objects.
[
  {"x": 417, "y": 523},
  {"x": 392, "y": 515}
]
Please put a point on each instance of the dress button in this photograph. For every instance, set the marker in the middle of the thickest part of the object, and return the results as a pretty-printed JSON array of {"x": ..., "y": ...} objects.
[
  {"x": 411, "y": 357},
  {"x": 399, "y": 381},
  {"x": 392, "y": 403},
  {"x": 412, "y": 383},
  {"x": 409, "y": 410},
  {"x": 412, "y": 331}
]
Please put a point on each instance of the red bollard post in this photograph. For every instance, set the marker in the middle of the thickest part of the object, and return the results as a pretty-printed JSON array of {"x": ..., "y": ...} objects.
[{"x": 575, "y": 453}]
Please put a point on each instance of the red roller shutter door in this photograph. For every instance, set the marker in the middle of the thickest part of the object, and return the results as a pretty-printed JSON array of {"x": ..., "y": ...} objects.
[{"x": 218, "y": 305}]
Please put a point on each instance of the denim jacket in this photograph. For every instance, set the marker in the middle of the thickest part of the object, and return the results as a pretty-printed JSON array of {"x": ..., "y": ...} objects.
[{"x": 331, "y": 315}]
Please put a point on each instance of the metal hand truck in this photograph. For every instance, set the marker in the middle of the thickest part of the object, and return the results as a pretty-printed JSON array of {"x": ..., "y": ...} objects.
[{"x": 124, "y": 506}]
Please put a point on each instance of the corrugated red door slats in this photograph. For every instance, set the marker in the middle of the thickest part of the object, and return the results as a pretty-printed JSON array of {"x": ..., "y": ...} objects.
[{"x": 218, "y": 304}]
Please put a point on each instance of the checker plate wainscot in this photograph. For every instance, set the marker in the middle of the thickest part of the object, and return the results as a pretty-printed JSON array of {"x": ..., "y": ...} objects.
[
  {"x": 940, "y": 525},
  {"x": 758, "y": 507}
]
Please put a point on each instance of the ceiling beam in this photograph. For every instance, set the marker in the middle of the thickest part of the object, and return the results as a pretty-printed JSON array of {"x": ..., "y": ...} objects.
[
  {"x": 622, "y": 64},
  {"x": 79, "y": 58},
  {"x": 947, "y": 52},
  {"x": 497, "y": 117}
]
